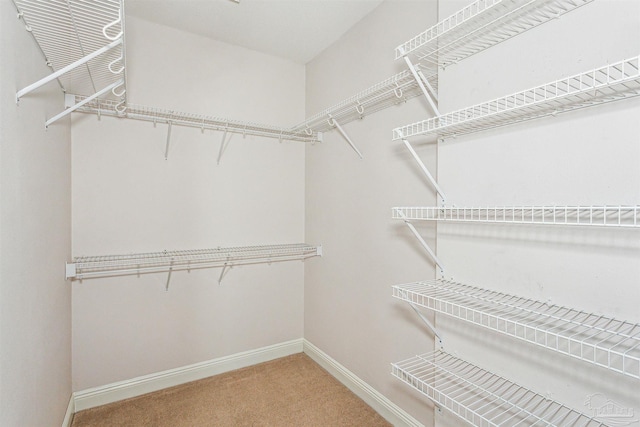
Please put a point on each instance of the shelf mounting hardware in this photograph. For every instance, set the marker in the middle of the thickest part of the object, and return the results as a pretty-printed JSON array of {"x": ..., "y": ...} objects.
[
  {"x": 425, "y": 320},
  {"x": 424, "y": 244},
  {"x": 225, "y": 269},
  {"x": 53, "y": 76},
  {"x": 166, "y": 288},
  {"x": 224, "y": 143},
  {"x": 166, "y": 149},
  {"x": 88, "y": 99},
  {"x": 421, "y": 83},
  {"x": 333, "y": 122},
  {"x": 425, "y": 170}
]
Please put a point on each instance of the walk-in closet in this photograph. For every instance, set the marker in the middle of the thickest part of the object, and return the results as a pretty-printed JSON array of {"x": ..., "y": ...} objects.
[{"x": 417, "y": 213}]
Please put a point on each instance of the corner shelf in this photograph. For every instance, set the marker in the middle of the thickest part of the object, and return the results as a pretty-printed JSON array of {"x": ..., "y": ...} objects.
[
  {"x": 481, "y": 397},
  {"x": 85, "y": 267},
  {"x": 479, "y": 26},
  {"x": 598, "y": 216},
  {"x": 612, "y": 82},
  {"x": 600, "y": 340}
]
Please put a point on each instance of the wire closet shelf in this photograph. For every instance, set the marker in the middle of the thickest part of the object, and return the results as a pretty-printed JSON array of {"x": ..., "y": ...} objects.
[
  {"x": 603, "y": 341},
  {"x": 72, "y": 32},
  {"x": 479, "y": 26},
  {"x": 481, "y": 397},
  {"x": 612, "y": 82},
  {"x": 158, "y": 115},
  {"x": 85, "y": 267},
  {"x": 598, "y": 216}
]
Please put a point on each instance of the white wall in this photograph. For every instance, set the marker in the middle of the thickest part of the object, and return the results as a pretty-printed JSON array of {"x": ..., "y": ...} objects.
[
  {"x": 349, "y": 311},
  {"x": 128, "y": 198},
  {"x": 35, "y": 238},
  {"x": 587, "y": 157}
]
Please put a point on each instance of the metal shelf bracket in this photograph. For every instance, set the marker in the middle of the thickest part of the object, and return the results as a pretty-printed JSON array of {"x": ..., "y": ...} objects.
[
  {"x": 424, "y": 169},
  {"x": 424, "y": 244},
  {"x": 334, "y": 123},
  {"x": 421, "y": 83}
]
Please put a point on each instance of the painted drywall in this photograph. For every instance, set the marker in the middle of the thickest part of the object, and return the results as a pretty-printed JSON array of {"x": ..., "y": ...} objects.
[
  {"x": 349, "y": 311},
  {"x": 127, "y": 198},
  {"x": 35, "y": 237},
  {"x": 587, "y": 157}
]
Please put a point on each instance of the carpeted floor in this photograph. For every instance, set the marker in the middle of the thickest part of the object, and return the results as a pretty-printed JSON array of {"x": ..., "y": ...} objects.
[{"x": 292, "y": 391}]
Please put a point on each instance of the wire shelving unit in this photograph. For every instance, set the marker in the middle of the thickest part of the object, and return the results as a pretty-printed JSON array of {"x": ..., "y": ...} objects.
[
  {"x": 603, "y": 341},
  {"x": 83, "y": 43},
  {"x": 85, "y": 267},
  {"x": 479, "y": 26},
  {"x": 612, "y": 82},
  {"x": 481, "y": 397},
  {"x": 599, "y": 216},
  {"x": 158, "y": 115}
]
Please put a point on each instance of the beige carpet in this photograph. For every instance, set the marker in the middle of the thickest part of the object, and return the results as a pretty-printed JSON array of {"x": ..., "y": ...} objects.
[{"x": 292, "y": 391}]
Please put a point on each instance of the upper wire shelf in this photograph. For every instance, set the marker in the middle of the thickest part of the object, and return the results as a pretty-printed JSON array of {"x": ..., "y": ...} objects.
[
  {"x": 596, "y": 339},
  {"x": 479, "y": 26},
  {"x": 394, "y": 90},
  {"x": 166, "y": 261},
  {"x": 157, "y": 115},
  {"x": 599, "y": 216},
  {"x": 68, "y": 31},
  {"x": 481, "y": 397},
  {"x": 605, "y": 84}
]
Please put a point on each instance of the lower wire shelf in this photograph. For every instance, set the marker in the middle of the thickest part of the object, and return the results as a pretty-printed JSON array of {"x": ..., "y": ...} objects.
[
  {"x": 85, "y": 267},
  {"x": 600, "y": 340},
  {"x": 481, "y": 397}
]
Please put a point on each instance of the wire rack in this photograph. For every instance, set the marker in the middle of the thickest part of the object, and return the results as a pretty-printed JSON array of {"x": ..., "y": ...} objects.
[
  {"x": 157, "y": 115},
  {"x": 155, "y": 262},
  {"x": 394, "y": 90},
  {"x": 481, "y": 397},
  {"x": 612, "y": 82},
  {"x": 70, "y": 30},
  {"x": 600, "y": 340},
  {"x": 600, "y": 216},
  {"x": 481, "y": 25}
]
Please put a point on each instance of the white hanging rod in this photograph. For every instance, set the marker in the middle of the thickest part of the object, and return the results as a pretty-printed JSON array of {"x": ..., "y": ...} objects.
[
  {"x": 612, "y": 82},
  {"x": 157, "y": 115},
  {"x": 596, "y": 339},
  {"x": 598, "y": 216},
  {"x": 479, "y": 26},
  {"x": 482, "y": 398},
  {"x": 396, "y": 89},
  {"x": 167, "y": 261},
  {"x": 70, "y": 32}
]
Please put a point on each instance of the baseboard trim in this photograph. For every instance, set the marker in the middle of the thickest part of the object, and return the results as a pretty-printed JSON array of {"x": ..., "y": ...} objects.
[
  {"x": 389, "y": 410},
  {"x": 71, "y": 409},
  {"x": 114, "y": 392}
]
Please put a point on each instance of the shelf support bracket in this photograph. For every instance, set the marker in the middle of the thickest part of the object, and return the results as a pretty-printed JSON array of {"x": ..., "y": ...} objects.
[
  {"x": 166, "y": 288},
  {"x": 81, "y": 103},
  {"x": 223, "y": 145},
  {"x": 432, "y": 91},
  {"x": 334, "y": 123},
  {"x": 425, "y": 170},
  {"x": 421, "y": 84},
  {"x": 422, "y": 242},
  {"x": 166, "y": 149},
  {"x": 425, "y": 320},
  {"x": 87, "y": 58},
  {"x": 225, "y": 270}
]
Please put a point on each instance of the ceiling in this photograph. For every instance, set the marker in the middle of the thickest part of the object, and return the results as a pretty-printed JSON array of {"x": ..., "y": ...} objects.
[{"x": 297, "y": 30}]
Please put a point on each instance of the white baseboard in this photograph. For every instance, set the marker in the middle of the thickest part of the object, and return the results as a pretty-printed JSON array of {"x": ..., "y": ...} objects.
[
  {"x": 389, "y": 410},
  {"x": 71, "y": 409},
  {"x": 114, "y": 392}
]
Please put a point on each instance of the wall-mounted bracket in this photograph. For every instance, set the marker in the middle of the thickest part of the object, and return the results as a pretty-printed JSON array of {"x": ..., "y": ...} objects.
[
  {"x": 166, "y": 288},
  {"x": 81, "y": 103},
  {"x": 166, "y": 149},
  {"x": 426, "y": 93},
  {"x": 426, "y": 321},
  {"x": 425, "y": 170},
  {"x": 424, "y": 244},
  {"x": 334, "y": 123},
  {"x": 225, "y": 270},
  {"x": 225, "y": 142}
]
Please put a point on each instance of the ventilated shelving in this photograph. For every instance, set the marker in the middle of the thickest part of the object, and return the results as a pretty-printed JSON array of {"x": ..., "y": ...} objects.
[
  {"x": 601, "y": 340},
  {"x": 85, "y": 267},
  {"x": 480, "y": 25},
  {"x": 599, "y": 216},
  {"x": 612, "y": 82},
  {"x": 83, "y": 43},
  {"x": 481, "y": 397}
]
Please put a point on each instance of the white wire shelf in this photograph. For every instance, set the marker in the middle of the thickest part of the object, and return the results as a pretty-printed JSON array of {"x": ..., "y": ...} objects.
[
  {"x": 67, "y": 31},
  {"x": 613, "y": 82},
  {"x": 596, "y": 339},
  {"x": 85, "y": 267},
  {"x": 481, "y": 25},
  {"x": 394, "y": 90},
  {"x": 157, "y": 115},
  {"x": 599, "y": 216},
  {"x": 482, "y": 398}
]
